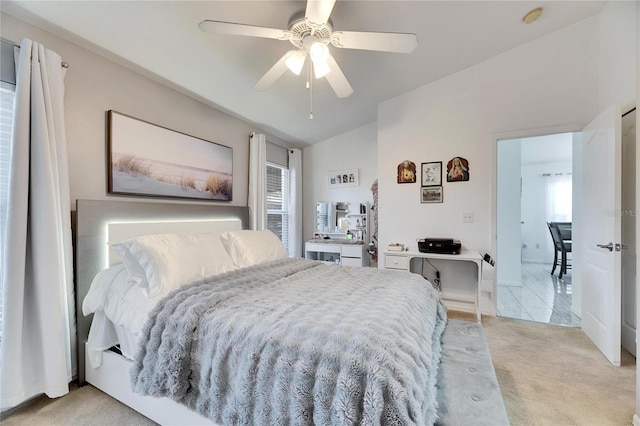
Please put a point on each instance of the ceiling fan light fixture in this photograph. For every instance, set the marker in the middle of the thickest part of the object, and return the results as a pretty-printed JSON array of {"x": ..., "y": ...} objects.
[
  {"x": 319, "y": 52},
  {"x": 295, "y": 61},
  {"x": 320, "y": 69}
]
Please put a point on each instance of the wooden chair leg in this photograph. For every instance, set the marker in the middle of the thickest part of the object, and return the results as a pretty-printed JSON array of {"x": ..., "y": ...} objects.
[
  {"x": 555, "y": 261},
  {"x": 563, "y": 266}
]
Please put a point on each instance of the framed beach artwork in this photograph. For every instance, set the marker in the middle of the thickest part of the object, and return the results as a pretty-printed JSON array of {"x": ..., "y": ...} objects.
[{"x": 150, "y": 160}]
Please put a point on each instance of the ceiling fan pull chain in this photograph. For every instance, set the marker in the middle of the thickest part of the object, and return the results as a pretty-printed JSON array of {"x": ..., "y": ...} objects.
[
  {"x": 310, "y": 86},
  {"x": 311, "y": 99}
]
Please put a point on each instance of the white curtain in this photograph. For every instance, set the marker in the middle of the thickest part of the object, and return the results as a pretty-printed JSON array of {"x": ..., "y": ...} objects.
[
  {"x": 558, "y": 197},
  {"x": 295, "y": 203},
  {"x": 258, "y": 181},
  {"x": 38, "y": 348}
]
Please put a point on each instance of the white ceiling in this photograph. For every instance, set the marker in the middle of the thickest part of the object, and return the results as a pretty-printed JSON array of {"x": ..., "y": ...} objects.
[{"x": 162, "y": 37}]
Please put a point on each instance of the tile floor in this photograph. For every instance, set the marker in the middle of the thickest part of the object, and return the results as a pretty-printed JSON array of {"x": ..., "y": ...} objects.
[{"x": 542, "y": 297}]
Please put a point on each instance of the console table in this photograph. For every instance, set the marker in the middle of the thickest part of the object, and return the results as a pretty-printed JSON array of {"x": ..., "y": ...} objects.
[{"x": 402, "y": 260}]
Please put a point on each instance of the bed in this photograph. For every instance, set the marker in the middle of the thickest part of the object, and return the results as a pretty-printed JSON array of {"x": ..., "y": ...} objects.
[{"x": 355, "y": 346}]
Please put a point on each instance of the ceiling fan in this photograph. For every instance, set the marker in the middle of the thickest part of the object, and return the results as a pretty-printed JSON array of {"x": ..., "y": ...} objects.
[{"x": 311, "y": 31}]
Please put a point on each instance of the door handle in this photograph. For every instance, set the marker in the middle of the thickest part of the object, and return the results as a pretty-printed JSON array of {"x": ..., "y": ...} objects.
[{"x": 606, "y": 246}]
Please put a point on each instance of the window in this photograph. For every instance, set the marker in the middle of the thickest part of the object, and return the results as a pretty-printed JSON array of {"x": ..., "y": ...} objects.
[
  {"x": 278, "y": 201},
  {"x": 7, "y": 97},
  {"x": 558, "y": 197}
]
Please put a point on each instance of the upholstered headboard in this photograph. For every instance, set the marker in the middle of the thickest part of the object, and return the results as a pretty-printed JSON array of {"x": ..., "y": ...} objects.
[{"x": 98, "y": 221}]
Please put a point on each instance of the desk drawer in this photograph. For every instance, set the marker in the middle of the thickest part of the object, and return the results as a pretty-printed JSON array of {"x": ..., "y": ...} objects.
[
  {"x": 352, "y": 250},
  {"x": 323, "y": 248},
  {"x": 351, "y": 261},
  {"x": 396, "y": 262}
]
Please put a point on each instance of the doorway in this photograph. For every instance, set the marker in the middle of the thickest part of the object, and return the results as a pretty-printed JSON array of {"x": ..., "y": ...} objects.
[{"x": 534, "y": 188}]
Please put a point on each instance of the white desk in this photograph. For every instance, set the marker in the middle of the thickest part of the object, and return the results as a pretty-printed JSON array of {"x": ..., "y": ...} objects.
[{"x": 402, "y": 260}]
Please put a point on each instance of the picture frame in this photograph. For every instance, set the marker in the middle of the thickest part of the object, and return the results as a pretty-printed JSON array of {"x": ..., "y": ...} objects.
[
  {"x": 458, "y": 170},
  {"x": 407, "y": 172},
  {"x": 343, "y": 178},
  {"x": 431, "y": 173},
  {"x": 431, "y": 194},
  {"x": 145, "y": 159}
]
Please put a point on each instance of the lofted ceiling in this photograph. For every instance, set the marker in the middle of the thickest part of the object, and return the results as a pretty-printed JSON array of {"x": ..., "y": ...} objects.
[{"x": 162, "y": 38}]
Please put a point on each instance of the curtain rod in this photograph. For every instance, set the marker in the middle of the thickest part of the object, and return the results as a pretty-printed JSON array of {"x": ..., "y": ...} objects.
[{"x": 62, "y": 64}]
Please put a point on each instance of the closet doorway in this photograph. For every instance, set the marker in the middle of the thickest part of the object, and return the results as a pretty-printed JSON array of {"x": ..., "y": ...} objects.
[{"x": 534, "y": 188}]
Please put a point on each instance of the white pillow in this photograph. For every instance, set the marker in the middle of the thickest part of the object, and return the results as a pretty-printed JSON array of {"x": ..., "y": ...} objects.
[
  {"x": 248, "y": 248},
  {"x": 172, "y": 260}
]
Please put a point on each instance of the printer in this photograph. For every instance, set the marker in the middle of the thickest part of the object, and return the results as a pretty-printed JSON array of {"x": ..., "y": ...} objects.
[{"x": 439, "y": 245}]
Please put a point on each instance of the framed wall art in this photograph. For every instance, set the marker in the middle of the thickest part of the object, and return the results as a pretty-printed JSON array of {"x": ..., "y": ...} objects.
[
  {"x": 407, "y": 172},
  {"x": 432, "y": 173},
  {"x": 150, "y": 160},
  {"x": 431, "y": 194},
  {"x": 457, "y": 170},
  {"x": 343, "y": 178}
]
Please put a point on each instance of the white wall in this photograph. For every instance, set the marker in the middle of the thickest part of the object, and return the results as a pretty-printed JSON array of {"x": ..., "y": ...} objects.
[
  {"x": 95, "y": 85},
  {"x": 546, "y": 83},
  {"x": 354, "y": 149},
  {"x": 508, "y": 213},
  {"x": 617, "y": 61}
]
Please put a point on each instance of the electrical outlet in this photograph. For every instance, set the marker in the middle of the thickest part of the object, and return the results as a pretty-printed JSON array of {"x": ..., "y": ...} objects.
[{"x": 467, "y": 217}]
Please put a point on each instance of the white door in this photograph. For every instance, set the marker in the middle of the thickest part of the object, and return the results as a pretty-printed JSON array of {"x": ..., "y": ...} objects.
[{"x": 601, "y": 232}]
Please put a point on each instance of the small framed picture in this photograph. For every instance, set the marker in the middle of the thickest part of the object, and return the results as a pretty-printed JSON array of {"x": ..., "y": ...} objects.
[
  {"x": 431, "y": 194},
  {"x": 432, "y": 173},
  {"x": 407, "y": 172},
  {"x": 341, "y": 178},
  {"x": 457, "y": 170}
]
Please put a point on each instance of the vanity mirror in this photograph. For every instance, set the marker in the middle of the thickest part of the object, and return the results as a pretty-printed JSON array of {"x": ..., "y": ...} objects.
[
  {"x": 331, "y": 218},
  {"x": 337, "y": 220}
]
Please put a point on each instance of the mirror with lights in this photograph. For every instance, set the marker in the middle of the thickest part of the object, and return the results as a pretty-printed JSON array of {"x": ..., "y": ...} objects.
[{"x": 336, "y": 220}]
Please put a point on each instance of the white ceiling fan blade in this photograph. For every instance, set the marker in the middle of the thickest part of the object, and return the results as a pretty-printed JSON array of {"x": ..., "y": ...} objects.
[
  {"x": 337, "y": 80},
  {"x": 243, "y": 30},
  {"x": 274, "y": 73},
  {"x": 318, "y": 11},
  {"x": 385, "y": 42}
]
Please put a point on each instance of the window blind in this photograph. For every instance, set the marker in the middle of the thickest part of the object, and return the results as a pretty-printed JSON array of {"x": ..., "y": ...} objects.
[{"x": 278, "y": 202}]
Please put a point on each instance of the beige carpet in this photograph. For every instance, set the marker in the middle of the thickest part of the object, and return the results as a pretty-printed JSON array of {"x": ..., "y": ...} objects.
[
  {"x": 554, "y": 375},
  {"x": 549, "y": 375}
]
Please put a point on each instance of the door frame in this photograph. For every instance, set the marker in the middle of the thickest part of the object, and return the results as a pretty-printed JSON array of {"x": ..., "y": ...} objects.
[{"x": 516, "y": 134}]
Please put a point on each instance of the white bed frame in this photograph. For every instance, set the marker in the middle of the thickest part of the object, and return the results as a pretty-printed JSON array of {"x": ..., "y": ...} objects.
[
  {"x": 100, "y": 222},
  {"x": 475, "y": 398}
]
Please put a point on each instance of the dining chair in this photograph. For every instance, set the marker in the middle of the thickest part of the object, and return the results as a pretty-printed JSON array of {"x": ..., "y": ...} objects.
[{"x": 561, "y": 236}]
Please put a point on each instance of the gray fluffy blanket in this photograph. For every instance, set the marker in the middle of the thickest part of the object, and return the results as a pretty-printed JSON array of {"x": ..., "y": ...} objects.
[{"x": 297, "y": 342}]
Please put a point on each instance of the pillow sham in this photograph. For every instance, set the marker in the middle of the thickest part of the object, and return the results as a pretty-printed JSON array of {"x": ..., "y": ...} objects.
[
  {"x": 172, "y": 260},
  {"x": 248, "y": 248}
]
